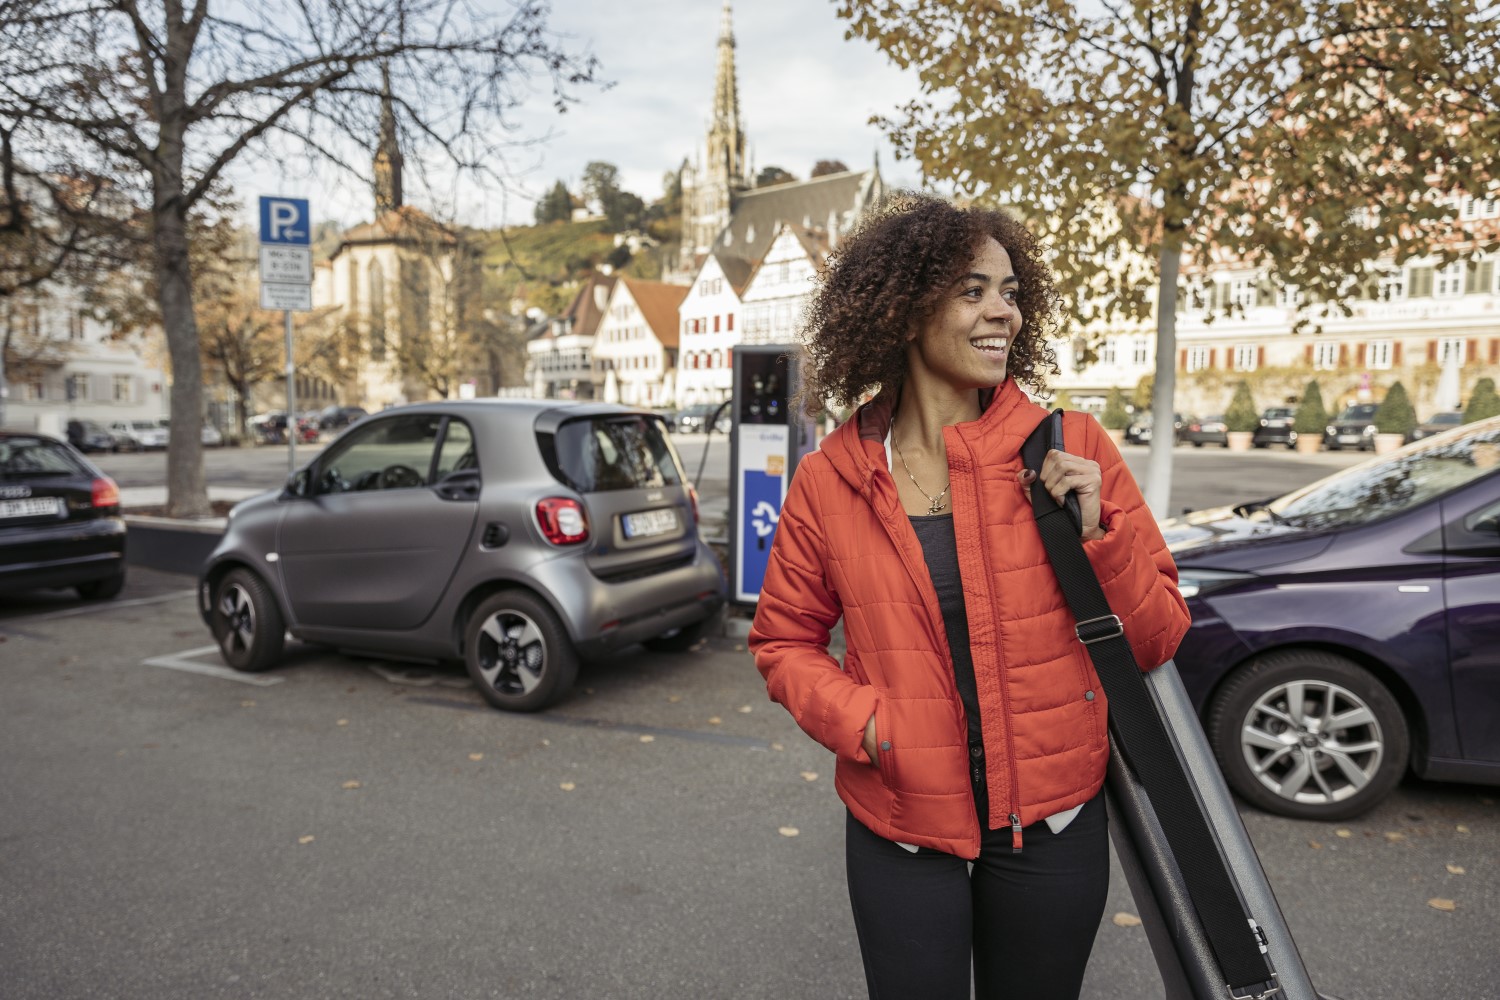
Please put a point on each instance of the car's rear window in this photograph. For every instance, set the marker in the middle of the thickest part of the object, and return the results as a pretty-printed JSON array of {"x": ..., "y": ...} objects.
[
  {"x": 627, "y": 452},
  {"x": 21, "y": 457}
]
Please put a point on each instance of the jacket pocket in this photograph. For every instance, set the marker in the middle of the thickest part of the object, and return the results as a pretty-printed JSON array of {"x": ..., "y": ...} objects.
[
  {"x": 1091, "y": 694},
  {"x": 885, "y": 745}
]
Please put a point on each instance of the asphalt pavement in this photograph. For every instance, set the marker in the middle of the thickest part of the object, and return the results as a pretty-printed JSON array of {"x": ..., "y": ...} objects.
[{"x": 347, "y": 827}]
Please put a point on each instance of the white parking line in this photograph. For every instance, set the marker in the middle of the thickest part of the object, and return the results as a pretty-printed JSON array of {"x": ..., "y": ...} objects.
[{"x": 183, "y": 661}]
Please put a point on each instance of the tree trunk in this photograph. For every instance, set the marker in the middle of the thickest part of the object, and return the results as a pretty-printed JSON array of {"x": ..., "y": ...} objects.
[
  {"x": 187, "y": 496},
  {"x": 1163, "y": 408}
]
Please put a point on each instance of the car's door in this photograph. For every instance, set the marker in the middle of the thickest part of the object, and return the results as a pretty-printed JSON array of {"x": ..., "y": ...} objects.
[
  {"x": 377, "y": 541},
  {"x": 1472, "y": 541}
]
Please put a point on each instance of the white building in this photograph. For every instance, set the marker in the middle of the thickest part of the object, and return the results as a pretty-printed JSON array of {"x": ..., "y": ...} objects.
[
  {"x": 636, "y": 345},
  {"x": 708, "y": 321},
  {"x": 559, "y": 358},
  {"x": 774, "y": 303}
]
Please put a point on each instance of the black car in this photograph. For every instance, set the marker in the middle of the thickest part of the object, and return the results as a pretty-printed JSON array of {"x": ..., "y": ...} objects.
[
  {"x": 1206, "y": 430},
  {"x": 60, "y": 523},
  {"x": 1353, "y": 428},
  {"x": 1139, "y": 431},
  {"x": 1436, "y": 424},
  {"x": 90, "y": 435},
  {"x": 1276, "y": 428},
  {"x": 336, "y": 418}
]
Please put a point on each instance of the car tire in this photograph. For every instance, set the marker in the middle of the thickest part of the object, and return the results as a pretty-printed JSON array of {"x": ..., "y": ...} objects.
[
  {"x": 246, "y": 622},
  {"x": 518, "y": 653},
  {"x": 102, "y": 590},
  {"x": 680, "y": 640},
  {"x": 1279, "y": 758}
]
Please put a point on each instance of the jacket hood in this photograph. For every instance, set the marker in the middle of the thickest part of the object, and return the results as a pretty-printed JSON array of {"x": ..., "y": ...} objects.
[{"x": 856, "y": 448}]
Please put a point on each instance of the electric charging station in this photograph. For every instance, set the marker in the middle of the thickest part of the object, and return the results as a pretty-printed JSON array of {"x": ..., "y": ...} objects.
[{"x": 766, "y": 441}]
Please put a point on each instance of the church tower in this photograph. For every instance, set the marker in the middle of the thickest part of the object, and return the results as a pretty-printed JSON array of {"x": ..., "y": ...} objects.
[
  {"x": 708, "y": 190},
  {"x": 387, "y": 153}
]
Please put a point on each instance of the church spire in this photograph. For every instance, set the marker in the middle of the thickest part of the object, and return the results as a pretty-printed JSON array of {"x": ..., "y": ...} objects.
[
  {"x": 388, "y": 152},
  {"x": 726, "y": 140}
]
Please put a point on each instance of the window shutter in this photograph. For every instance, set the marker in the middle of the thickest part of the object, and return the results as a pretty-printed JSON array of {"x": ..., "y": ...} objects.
[
  {"x": 1396, "y": 353},
  {"x": 1182, "y": 358},
  {"x": 1421, "y": 282},
  {"x": 1308, "y": 352},
  {"x": 1472, "y": 354},
  {"x": 1260, "y": 357},
  {"x": 1359, "y": 358},
  {"x": 1343, "y": 355},
  {"x": 1495, "y": 350},
  {"x": 1213, "y": 357},
  {"x": 1431, "y": 352}
]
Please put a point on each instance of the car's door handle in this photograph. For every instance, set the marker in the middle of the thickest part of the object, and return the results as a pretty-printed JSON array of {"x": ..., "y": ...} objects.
[{"x": 462, "y": 485}]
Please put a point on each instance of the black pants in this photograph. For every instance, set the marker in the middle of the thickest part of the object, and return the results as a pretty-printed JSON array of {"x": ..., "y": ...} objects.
[{"x": 1028, "y": 920}]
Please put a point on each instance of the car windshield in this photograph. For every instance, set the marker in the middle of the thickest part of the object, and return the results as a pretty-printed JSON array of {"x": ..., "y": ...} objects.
[
  {"x": 31, "y": 456},
  {"x": 1359, "y": 411},
  {"x": 1391, "y": 484},
  {"x": 143, "y": 425},
  {"x": 1447, "y": 418},
  {"x": 615, "y": 453}
]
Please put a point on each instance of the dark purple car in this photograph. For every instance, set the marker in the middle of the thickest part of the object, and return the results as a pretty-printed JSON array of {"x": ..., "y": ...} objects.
[{"x": 1350, "y": 631}]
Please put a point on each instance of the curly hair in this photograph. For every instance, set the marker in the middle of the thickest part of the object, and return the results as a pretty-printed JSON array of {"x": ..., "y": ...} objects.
[{"x": 888, "y": 278}]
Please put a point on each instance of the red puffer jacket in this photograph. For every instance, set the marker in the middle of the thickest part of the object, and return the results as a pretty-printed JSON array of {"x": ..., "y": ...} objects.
[{"x": 844, "y": 547}]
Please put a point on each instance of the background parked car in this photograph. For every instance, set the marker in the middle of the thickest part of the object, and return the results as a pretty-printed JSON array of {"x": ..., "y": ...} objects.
[
  {"x": 1206, "y": 430},
  {"x": 1436, "y": 424},
  {"x": 60, "y": 523},
  {"x": 1353, "y": 428},
  {"x": 336, "y": 418},
  {"x": 138, "y": 435},
  {"x": 694, "y": 419},
  {"x": 1139, "y": 431},
  {"x": 90, "y": 436},
  {"x": 210, "y": 436},
  {"x": 1276, "y": 427},
  {"x": 1348, "y": 632},
  {"x": 515, "y": 535}
]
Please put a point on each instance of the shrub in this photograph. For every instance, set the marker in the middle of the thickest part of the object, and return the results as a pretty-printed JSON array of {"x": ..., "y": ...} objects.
[
  {"x": 1395, "y": 415},
  {"x": 1242, "y": 414},
  {"x": 1311, "y": 417},
  {"x": 1115, "y": 417},
  {"x": 1063, "y": 400},
  {"x": 1483, "y": 403}
]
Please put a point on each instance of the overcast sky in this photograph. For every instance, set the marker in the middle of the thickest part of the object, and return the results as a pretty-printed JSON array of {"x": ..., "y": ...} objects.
[{"x": 805, "y": 94}]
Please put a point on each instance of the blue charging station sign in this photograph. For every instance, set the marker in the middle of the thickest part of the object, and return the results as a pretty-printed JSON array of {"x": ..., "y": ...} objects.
[{"x": 759, "y": 492}]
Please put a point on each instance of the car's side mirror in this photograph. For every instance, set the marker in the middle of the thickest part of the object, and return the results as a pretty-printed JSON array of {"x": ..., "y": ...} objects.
[{"x": 299, "y": 484}]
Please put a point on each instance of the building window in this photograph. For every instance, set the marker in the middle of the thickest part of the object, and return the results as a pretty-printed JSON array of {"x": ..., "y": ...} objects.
[
  {"x": 1197, "y": 359},
  {"x": 1449, "y": 281},
  {"x": 1378, "y": 354},
  {"x": 1325, "y": 356},
  {"x": 36, "y": 390},
  {"x": 1140, "y": 352},
  {"x": 1242, "y": 293},
  {"x": 1244, "y": 357},
  {"x": 1107, "y": 351},
  {"x": 75, "y": 325},
  {"x": 121, "y": 385},
  {"x": 1289, "y": 296},
  {"x": 1392, "y": 287},
  {"x": 1450, "y": 347},
  {"x": 77, "y": 387}
]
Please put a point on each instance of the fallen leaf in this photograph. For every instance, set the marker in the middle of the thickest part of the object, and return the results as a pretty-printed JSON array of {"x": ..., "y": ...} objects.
[
  {"x": 247, "y": 704},
  {"x": 809, "y": 775},
  {"x": 1315, "y": 845},
  {"x": 714, "y": 720},
  {"x": 745, "y": 710},
  {"x": 777, "y": 746},
  {"x": 1455, "y": 869},
  {"x": 674, "y": 699},
  {"x": 567, "y": 786},
  {"x": 1126, "y": 920},
  {"x": 351, "y": 784},
  {"x": 1446, "y": 905},
  {"x": 307, "y": 839},
  {"x": 1393, "y": 836},
  {"x": 342, "y": 722},
  {"x": 739, "y": 647},
  {"x": 1461, "y": 828},
  {"x": 647, "y": 738},
  {"x": 476, "y": 756},
  {"x": 1343, "y": 833},
  {"x": 788, "y": 831}
]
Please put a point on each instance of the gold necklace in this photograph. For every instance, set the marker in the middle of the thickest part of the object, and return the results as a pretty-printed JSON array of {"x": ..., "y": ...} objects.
[{"x": 934, "y": 503}]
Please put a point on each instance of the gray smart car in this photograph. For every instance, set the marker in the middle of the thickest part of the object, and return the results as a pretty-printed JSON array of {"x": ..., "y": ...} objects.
[{"x": 515, "y": 535}]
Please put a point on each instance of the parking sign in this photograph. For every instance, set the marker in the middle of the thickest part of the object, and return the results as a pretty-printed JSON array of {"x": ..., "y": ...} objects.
[{"x": 285, "y": 220}]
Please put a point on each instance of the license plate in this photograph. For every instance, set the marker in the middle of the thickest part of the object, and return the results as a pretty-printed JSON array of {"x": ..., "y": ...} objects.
[
  {"x": 1348, "y": 438},
  {"x": 31, "y": 507},
  {"x": 650, "y": 522}
]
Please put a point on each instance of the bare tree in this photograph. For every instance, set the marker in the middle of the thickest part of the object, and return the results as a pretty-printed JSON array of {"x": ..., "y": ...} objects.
[
  {"x": 441, "y": 323},
  {"x": 181, "y": 89}
]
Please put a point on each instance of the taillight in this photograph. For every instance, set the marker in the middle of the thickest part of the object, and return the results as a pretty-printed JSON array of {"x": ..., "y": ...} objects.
[
  {"x": 562, "y": 520},
  {"x": 105, "y": 493},
  {"x": 693, "y": 496}
]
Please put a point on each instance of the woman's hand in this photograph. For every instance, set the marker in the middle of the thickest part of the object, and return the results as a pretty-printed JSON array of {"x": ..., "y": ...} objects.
[
  {"x": 871, "y": 747},
  {"x": 1062, "y": 472}
]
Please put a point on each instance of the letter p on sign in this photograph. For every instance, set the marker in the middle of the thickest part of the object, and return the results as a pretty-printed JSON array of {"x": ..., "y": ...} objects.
[{"x": 284, "y": 220}]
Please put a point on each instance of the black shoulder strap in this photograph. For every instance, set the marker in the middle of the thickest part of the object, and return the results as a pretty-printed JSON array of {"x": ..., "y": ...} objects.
[{"x": 1142, "y": 737}]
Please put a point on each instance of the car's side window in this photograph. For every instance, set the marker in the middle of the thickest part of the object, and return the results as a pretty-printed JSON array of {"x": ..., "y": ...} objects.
[
  {"x": 457, "y": 451},
  {"x": 391, "y": 454}
]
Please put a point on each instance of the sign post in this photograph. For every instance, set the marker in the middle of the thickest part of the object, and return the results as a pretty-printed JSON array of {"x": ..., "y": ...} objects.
[{"x": 286, "y": 284}]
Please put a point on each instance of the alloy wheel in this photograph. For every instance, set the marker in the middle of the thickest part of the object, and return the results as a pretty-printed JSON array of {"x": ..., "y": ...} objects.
[
  {"x": 1312, "y": 742},
  {"x": 512, "y": 653}
]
